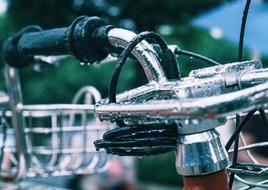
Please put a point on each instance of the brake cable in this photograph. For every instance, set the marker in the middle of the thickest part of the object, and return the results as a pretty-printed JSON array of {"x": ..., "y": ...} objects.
[
  {"x": 196, "y": 56},
  {"x": 239, "y": 126}
]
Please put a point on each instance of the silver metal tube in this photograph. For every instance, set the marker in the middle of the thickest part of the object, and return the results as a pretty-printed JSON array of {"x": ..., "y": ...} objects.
[
  {"x": 87, "y": 90},
  {"x": 144, "y": 53},
  {"x": 55, "y": 107},
  {"x": 206, "y": 82},
  {"x": 253, "y": 77},
  {"x": 18, "y": 123},
  {"x": 199, "y": 108},
  {"x": 261, "y": 184}
]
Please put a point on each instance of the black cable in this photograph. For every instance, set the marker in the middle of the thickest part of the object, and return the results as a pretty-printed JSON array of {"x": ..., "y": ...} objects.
[
  {"x": 264, "y": 118},
  {"x": 234, "y": 162},
  {"x": 139, "y": 140},
  {"x": 140, "y": 152},
  {"x": 141, "y": 131},
  {"x": 242, "y": 30},
  {"x": 250, "y": 114},
  {"x": 124, "y": 55},
  {"x": 239, "y": 129},
  {"x": 196, "y": 56},
  {"x": 143, "y": 142}
]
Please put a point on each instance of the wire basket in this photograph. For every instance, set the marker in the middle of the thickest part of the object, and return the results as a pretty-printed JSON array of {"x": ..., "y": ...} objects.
[
  {"x": 51, "y": 140},
  {"x": 251, "y": 171}
]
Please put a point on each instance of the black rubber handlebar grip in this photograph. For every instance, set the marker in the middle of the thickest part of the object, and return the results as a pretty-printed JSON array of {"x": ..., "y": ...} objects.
[
  {"x": 46, "y": 42},
  {"x": 83, "y": 39}
]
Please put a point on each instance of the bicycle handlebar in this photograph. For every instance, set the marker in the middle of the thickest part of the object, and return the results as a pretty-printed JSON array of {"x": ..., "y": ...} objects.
[
  {"x": 45, "y": 42},
  {"x": 191, "y": 107},
  {"x": 89, "y": 39},
  {"x": 196, "y": 108},
  {"x": 80, "y": 39}
]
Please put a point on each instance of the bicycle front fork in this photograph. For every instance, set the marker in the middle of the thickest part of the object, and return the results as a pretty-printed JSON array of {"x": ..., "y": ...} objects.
[{"x": 202, "y": 159}]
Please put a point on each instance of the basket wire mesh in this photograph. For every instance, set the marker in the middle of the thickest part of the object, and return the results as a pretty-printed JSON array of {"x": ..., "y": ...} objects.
[
  {"x": 250, "y": 172},
  {"x": 59, "y": 138}
]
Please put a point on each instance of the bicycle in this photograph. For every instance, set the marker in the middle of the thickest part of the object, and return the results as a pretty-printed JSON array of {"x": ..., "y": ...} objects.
[{"x": 169, "y": 113}]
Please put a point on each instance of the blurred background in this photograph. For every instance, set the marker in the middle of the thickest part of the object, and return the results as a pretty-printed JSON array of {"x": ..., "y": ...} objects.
[{"x": 208, "y": 27}]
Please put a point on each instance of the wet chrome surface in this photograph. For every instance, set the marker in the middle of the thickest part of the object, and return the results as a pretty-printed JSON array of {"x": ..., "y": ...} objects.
[
  {"x": 203, "y": 100},
  {"x": 144, "y": 53},
  {"x": 200, "y": 154}
]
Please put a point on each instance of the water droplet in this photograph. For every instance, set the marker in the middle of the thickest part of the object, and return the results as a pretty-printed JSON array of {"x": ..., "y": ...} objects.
[
  {"x": 191, "y": 57},
  {"x": 119, "y": 115},
  {"x": 250, "y": 168},
  {"x": 140, "y": 157},
  {"x": 128, "y": 150},
  {"x": 82, "y": 63},
  {"x": 128, "y": 98},
  {"x": 195, "y": 121}
]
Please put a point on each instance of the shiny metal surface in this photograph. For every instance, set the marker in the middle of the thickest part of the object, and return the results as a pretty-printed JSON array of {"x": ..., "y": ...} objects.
[
  {"x": 67, "y": 132},
  {"x": 196, "y": 108},
  {"x": 144, "y": 52},
  {"x": 18, "y": 123},
  {"x": 200, "y": 154},
  {"x": 197, "y": 103},
  {"x": 254, "y": 168},
  {"x": 205, "y": 82},
  {"x": 207, "y": 97}
]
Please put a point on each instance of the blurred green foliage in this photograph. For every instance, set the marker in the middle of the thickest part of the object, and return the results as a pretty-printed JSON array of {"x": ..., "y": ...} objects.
[
  {"x": 145, "y": 14},
  {"x": 159, "y": 169},
  {"x": 59, "y": 84}
]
